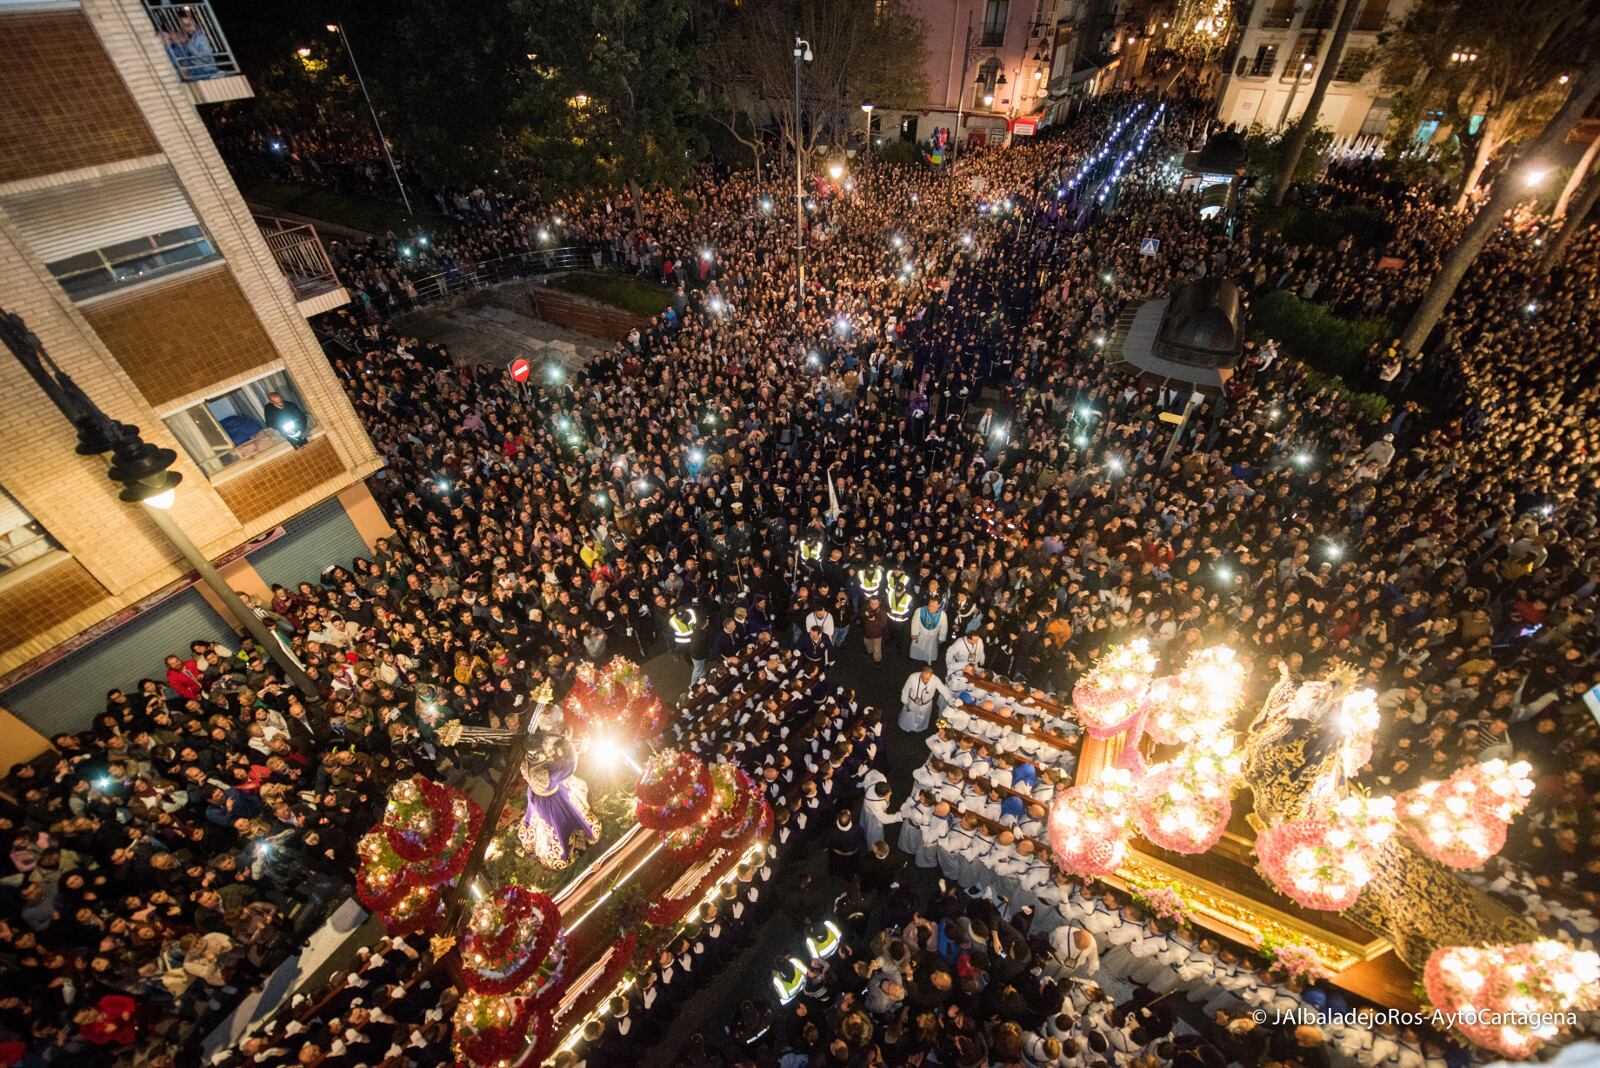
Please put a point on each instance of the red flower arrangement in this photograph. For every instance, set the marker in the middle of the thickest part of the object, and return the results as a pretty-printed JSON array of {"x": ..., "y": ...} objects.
[
  {"x": 1322, "y": 863},
  {"x": 1503, "y": 997},
  {"x": 674, "y": 792},
  {"x": 1107, "y": 696},
  {"x": 513, "y": 942},
  {"x": 421, "y": 845},
  {"x": 617, "y": 698},
  {"x": 1088, "y": 825},
  {"x": 1461, "y": 821},
  {"x": 490, "y": 1028}
]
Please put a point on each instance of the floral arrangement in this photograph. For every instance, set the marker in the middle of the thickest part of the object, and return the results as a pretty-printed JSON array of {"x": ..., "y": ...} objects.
[
  {"x": 513, "y": 942},
  {"x": 617, "y": 698},
  {"x": 491, "y": 1029},
  {"x": 674, "y": 792},
  {"x": 1359, "y": 718},
  {"x": 1293, "y": 960},
  {"x": 1323, "y": 862},
  {"x": 1502, "y": 997},
  {"x": 1461, "y": 821},
  {"x": 1166, "y": 905},
  {"x": 420, "y": 847},
  {"x": 1184, "y": 804},
  {"x": 1107, "y": 696},
  {"x": 1198, "y": 701},
  {"x": 1088, "y": 825}
]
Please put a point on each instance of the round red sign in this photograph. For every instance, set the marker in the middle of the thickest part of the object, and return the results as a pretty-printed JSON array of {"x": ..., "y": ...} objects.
[{"x": 520, "y": 369}]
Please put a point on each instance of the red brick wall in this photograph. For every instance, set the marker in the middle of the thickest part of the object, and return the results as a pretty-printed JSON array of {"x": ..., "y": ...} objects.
[
  {"x": 62, "y": 103},
  {"x": 179, "y": 337}
]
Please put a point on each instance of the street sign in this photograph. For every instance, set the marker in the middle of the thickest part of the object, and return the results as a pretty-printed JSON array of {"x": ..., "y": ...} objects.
[
  {"x": 1171, "y": 417},
  {"x": 520, "y": 369},
  {"x": 1149, "y": 246}
]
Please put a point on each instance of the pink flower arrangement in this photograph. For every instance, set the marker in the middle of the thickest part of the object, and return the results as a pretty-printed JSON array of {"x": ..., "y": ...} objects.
[
  {"x": 1088, "y": 825},
  {"x": 1322, "y": 863},
  {"x": 1297, "y": 962},
  {"x": 1164, "y": 903},
  {"x": 1181, "y": 811},
  {"x": 1197, "y": 701},
  {"x": 1107, "y": 696},
  {"x": 1498, "y": 994},
  {"x": 1461, "y": 821}
]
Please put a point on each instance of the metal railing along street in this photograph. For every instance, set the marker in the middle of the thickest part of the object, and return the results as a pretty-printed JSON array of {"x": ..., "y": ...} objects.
[
  {"x": 193, "y": 39},
  {"x": 506, "y": 268}
]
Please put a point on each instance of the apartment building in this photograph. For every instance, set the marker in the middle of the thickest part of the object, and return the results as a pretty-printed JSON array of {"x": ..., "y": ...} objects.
[
  {"x": 1279, "y": 52},
  {"x": 986, "y": 66},
  {"x": 128, "y": 251}
]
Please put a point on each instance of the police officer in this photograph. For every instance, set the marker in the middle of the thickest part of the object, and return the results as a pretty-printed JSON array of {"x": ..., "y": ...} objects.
[{"x": 899, "y": 603}]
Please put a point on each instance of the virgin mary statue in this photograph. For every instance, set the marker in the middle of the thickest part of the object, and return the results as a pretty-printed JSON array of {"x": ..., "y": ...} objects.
[{"x": 558, "y": 824}]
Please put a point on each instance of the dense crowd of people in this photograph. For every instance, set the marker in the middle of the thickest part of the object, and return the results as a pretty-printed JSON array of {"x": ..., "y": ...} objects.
[{"x": 932, "y": 401}]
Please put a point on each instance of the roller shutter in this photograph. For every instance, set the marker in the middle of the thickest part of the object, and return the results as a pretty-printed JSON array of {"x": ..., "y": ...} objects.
[
  {"x": 312, "y": 540},
  {"x": 66, "y": 220},
  {"x": 67, "y": 695}
]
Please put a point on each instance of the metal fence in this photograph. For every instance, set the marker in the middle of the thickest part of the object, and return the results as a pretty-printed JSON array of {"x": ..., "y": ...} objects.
[
  {"x": 300, "y": 255},
  {"x": 193, "y": 39},
  {"x": 507, "y": 268}
]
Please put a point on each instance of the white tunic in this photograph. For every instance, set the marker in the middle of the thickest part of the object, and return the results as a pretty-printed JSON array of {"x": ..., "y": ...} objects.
[
  {"x": 967, "y": 649},
  {"x": 916, "y": 699},
  {"x": 925, "y": 640}
]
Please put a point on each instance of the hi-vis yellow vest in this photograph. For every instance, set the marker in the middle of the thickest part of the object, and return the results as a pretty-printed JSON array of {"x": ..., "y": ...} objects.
[
  {"x": 682, "y": 624},
  {"x": 870, "y": 578},
  {"x": 811, "y": 549},
  {"x": 899, "y": 605}
]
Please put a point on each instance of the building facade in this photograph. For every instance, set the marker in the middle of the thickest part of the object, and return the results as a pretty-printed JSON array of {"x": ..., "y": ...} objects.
[
  {"x": 129, "y": 252},
  {"x": 1279, "y": 51},
  {"x": 986, "y": 65}
]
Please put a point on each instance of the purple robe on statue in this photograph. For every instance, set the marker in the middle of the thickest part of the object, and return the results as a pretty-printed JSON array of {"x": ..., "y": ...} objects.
[{"x": 558, "y": 822}]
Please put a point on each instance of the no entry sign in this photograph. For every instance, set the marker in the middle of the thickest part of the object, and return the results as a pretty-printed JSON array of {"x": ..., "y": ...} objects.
[{"x": 520, "y": 369}]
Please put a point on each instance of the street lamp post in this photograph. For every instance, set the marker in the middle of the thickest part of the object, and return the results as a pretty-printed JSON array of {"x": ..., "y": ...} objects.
[
  {"x": 967, "y": 53},
  {"x": 868, "y": 109},
  {"x": 144, "y": 472},
  {"x": 1288, "y": 105},
  {"x": 802, "y": 54},
  {"x": 338, "y": 28}
]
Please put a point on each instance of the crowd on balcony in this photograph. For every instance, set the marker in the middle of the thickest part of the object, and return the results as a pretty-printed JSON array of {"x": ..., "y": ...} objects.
[{"x": 941, "y": 380}]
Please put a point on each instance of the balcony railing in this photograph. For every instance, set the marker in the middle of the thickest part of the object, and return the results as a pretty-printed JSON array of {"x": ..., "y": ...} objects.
[
  {"x": 300, "y": 255},
  {"x": 193, "y": 39}
]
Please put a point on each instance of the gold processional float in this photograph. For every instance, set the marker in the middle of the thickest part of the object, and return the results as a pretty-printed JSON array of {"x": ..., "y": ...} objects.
[
  {"x": 1329, "y": 878},
  {"x": 533, "y": 968}
]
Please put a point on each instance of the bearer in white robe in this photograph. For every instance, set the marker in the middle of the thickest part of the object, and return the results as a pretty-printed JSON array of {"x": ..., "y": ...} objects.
[
  {"x": 966, "y": 649},
  {"x": 930, "y": 626},
  {"x": 917, "y": 699},
  {"x": 1075, "y": 951},
  {"x": 875, "y": 811}
]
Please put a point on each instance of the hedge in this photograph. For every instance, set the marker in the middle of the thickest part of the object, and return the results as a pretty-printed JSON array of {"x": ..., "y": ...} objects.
[{"x": 1315, "y": 335}]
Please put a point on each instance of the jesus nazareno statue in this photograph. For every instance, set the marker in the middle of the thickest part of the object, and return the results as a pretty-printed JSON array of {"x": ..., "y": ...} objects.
[{"x": 558, "y": 824}]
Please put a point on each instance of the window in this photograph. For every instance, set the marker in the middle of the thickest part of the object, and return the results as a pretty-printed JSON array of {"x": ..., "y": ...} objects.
[
  {"x": 1354, "y": 64},
  {"x": 1041, "y": 12},
  {"x": 103, "y": 269},
  {"x": 1265, "y": 62},
  {"x": 102, "y": 233},
  {"x": 988, "y": 78},
  {"x": 1279, "y": 15},
  {"x": 1303, "y": 53},
  {"x": 994, "y": 23},
  {"x": 21, "y": 537},
  {"x": 1376, "y": 124},
  {"x": 1320, "y": 16},
  {"x": 1372, "y": 15},
  {"x": 242, "y": 423}
]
